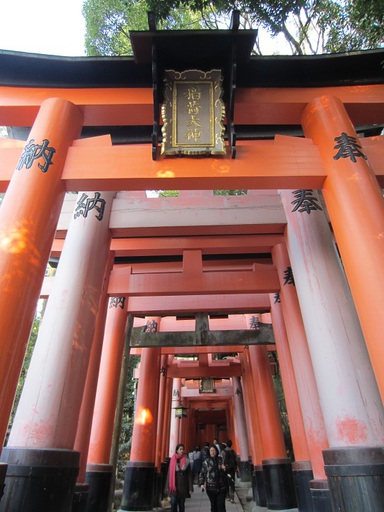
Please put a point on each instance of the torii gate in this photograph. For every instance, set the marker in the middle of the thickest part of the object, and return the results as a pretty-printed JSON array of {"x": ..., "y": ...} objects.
[{"x": 331, "y": 157}]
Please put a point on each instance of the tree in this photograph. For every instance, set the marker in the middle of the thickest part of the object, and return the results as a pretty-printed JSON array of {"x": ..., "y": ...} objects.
[
  {"x": 308, "y": 26},
  {"x": 363, "y": 28},
  {"x": 240, "y": 192},
  {"x": 108, "y": 23}
]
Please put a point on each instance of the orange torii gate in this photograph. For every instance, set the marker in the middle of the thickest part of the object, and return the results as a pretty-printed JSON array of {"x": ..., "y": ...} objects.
[{"x": 331, "y": 157}]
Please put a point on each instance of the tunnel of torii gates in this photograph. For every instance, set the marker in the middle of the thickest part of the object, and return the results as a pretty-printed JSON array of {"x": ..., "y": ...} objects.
[{"x": 203, "y": 287}]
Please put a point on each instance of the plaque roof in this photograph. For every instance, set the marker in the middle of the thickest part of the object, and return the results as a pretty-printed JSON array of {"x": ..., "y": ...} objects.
[{"x": 33, "y": 70}]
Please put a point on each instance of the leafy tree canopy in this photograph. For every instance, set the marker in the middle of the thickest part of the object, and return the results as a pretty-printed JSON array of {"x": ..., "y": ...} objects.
[
  {"x": 308, "y": 26},
  {"x": 108, "y": 23}
]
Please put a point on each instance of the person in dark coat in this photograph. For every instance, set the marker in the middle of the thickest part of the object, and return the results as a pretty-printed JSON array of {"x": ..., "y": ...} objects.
[
  {"x": 230, "y": 461},
  {"x": 204, "y": 452},
  {"x": 196, "y": 466},
  {"x": 179, "y": 483},
  {"x": 213, "y": 478}
]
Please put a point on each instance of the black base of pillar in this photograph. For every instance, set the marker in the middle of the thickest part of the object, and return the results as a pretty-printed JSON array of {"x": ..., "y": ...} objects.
[
  {"x": 279, "y": 486},
  {"x": 164, "y": 472},
  {"x": 80, "y": 498},
  {"x": 302, "y": 475},
  {"x": 164, "y": 468},
  {"x": 139, "y": 483},
  {"x": 356, "y": 478},
  {"x": 39, "y": 480},
  {"x": 99, "y": 479},
  {"x": 3, "y": 472},
  {"x": 245, "y": 470},
  {"x": 259, "y": 488},
  {"x": 253, "y": 484},
  {"x": 157, "y": 490},
  {"x": 321, "y": 497}
]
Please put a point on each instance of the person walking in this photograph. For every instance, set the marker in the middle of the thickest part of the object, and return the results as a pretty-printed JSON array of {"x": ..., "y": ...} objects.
[
  {"x": 196, "y": 465},
  {"x": 204, "y": 452},
  {"x": 179, "y": 483},
  {"x": 217, "y": 444},
  {"x": 230, "y": 461},
  {"x": 213, "y": 479}
]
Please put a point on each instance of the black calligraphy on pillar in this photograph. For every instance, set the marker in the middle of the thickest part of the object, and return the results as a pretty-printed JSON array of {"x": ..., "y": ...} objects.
[
  {"x": 348, "y": 147},
  {"x": 116, "y": 302},
  {"x": 305, "y": 201},
  {"x": 85, "y": 204},
  {"x": 238, "y": 392},
  {"x": 176, "y": 393},
  {"x": 288, "y": 276},
  {"x": 33, "y": 151},
  {"x": 151, "y": 326},
  {"x": 254, "y": 323},
  {"x": 277, "y": 298}
]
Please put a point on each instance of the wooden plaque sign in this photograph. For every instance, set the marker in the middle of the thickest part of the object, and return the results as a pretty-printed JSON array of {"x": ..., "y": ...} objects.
[{"x": 193, "y": 113}]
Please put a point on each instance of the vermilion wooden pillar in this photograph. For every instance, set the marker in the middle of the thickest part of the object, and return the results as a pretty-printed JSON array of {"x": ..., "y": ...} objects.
[
  {"x": 192, "y": 428},
  {"x": 87, "y": 405},
  {"x": 302, "y": 468},
  {"x": 160, "y": 473},
  {"x": 47, "y": 416},
  {"x": 349, "y": 397},
  {"x": 174, "y": 436},
  {"x": 251, "y": 412},
  {"x": 183, "y": 426},
  {"x": 162, "y": 400},
  {"x": 240, "y": 427},
  {"x": 138, "y": 493},
  {"x": 277, "y": 468},
  {"x": 305, "y": 379},
  {"x": 292, "y": 401},
  {"x": 167, "y": 414},
  {"x": 124, "y": 375},
  {"x": 146, "y": 408},
  {"x": 98, "y": 470},
  {"x": 165, "y": 417},
  {"x": 354, "y": 415},
  {"x": 108, "y": 382},
  {"x": 268, "y": 412},
  {"x": 231, "y": 425},
  {"x": 356, "y": 210},
  {"x": 253, "y": 429},
  {"x": 28, "y": 217}
]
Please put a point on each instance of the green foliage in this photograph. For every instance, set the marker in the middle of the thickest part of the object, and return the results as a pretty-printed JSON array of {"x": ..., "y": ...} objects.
[
  {"x": 169, "y": 193},
  {"x": 240, "y": 192},
  {"x": 360, "y": 26},
  {"x": 108, "y": 23},
  {"x": 27, "y": 359},
  {"x": 309, "y": 26},
  {"x": 278, "y": 385}
]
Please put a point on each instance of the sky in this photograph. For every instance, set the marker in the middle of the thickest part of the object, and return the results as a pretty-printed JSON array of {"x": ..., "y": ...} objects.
[
  {"x": 56, "y": 27},
  {"x": 51, "y": 27}
]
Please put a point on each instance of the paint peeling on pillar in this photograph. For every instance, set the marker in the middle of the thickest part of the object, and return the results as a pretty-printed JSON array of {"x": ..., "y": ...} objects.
[{"x": 351, "y": 430}]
